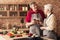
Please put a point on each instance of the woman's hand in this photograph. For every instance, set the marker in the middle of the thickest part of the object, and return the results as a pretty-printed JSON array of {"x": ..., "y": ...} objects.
[{"x": 30, "y": 23}]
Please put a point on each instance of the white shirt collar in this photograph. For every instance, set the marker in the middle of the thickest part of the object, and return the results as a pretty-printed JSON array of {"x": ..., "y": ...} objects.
[{"x": 48, "y": 14}]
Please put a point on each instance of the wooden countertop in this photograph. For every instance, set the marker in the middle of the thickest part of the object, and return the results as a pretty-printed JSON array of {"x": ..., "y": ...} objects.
[
  {"x": 6, "y": 37},
  {"x": 11, "y": 29}
]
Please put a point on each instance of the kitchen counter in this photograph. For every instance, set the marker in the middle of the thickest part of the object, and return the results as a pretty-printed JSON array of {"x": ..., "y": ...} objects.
[{"x": 6, "y": 37}]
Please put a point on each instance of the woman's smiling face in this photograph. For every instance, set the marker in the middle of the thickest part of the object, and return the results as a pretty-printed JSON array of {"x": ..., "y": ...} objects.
[{"x": 33, "y": 7}]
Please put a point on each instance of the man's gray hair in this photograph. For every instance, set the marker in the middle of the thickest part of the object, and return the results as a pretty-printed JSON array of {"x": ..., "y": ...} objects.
[{"x": 48, "y": 6}]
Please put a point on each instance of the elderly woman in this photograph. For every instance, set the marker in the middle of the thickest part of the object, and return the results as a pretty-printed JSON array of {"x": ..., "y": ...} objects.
[{"x": 49, "y": 22}]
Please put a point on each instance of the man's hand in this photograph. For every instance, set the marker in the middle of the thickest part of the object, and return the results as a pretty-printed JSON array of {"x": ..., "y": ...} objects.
[
  {"x": 42, "y": 28},
  {"x": 34, "y": 21}
]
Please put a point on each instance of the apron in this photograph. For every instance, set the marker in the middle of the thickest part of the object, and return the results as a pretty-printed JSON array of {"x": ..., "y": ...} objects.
[{"x": 35, "y": 29}]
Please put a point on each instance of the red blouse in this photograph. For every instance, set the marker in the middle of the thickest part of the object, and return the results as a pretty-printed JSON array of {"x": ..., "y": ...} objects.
[{"x": 30, "y": 12}]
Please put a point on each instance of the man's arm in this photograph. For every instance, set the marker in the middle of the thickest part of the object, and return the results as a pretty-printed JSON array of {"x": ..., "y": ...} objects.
[{"x": 51, "y": 25}]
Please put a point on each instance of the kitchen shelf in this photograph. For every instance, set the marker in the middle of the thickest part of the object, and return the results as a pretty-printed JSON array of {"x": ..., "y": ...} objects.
[{"x": 12, "y": 13}]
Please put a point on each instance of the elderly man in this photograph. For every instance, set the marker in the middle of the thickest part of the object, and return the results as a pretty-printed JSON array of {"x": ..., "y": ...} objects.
[
  {"x": 49, "y": 22},
  {"x": 33, "y": 19}
]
